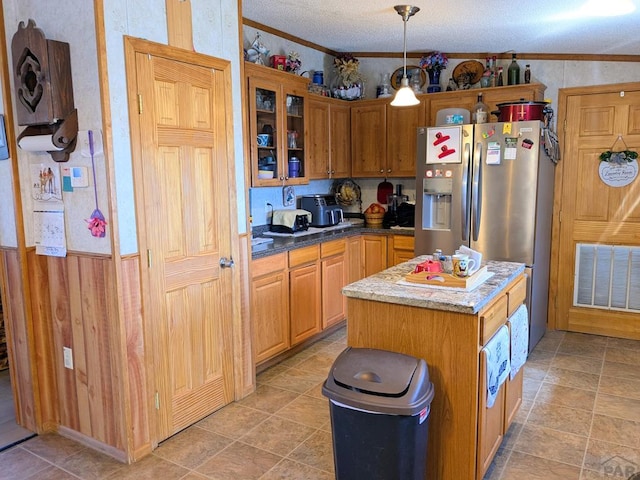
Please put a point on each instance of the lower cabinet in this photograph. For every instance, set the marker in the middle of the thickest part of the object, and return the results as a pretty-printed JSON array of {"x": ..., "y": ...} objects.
[
  {"x": 494, "y": 422},
  {"x": 400, "y": 249},
  {"x": 374, "y": 254},
  {"x": 304, "y": 293},
  {"x": 270, "y": 306},
  {"x": 355, "y": 270},
  {"x": 334, "y": 277},
  {"x": 296, "y": 295}
]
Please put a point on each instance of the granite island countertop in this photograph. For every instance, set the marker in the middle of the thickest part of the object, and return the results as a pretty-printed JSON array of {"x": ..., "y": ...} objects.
[{"x": 384, "y": 287}]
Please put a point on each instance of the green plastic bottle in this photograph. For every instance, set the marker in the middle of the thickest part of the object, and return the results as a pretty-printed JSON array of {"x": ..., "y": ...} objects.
[{"x": 513, "y": 72}]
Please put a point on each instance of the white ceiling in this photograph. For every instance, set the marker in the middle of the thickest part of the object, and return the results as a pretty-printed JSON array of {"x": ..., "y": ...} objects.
[{"x": 463, "y": 26}]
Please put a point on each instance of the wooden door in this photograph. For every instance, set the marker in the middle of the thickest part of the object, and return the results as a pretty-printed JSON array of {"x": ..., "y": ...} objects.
[
  {"x": 374, "y": 253},
  {"x": 319, "y": 138},
  {"x": 334, "y": 277},
  {"x": 402, "y": 128},
  {"x": 183, "y": 182},
  {"x": 340, "y": 128},
  {"x": 589, "y": 211},
  {"x": 305, "y": 302},
  {"x": 369, "y": 140}
]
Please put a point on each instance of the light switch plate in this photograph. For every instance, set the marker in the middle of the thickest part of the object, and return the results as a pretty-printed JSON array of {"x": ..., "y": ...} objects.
[{"x": 67, "y": 353}]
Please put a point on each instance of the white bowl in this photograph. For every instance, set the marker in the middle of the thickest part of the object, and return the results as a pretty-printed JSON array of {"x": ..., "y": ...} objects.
[{"x": 264, "y": 174}]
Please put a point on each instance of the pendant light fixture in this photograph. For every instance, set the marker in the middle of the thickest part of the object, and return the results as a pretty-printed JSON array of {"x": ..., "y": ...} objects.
[{"x": 405, "y": 96}]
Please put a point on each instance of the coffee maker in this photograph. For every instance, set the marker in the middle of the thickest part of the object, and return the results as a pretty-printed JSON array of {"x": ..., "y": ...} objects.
[{"x": 396, "y": 206}]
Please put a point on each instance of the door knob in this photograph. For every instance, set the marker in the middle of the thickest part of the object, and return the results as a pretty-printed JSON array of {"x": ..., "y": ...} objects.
[{"x": 226, "y": 263}]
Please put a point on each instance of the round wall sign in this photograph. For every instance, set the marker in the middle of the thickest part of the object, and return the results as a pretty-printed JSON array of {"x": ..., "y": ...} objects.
[{"x": 618, "y": 174}]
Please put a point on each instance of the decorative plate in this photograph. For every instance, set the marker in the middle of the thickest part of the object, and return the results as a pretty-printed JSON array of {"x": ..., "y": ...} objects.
[
  {"x": 469, "y": 72},
  {"x": 396, "y": 76},
  {"x": 347, "y": 191}
]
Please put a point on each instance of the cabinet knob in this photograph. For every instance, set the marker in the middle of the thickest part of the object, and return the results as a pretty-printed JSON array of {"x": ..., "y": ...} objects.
[
  {"x": 388, "y": 170},
  {"x": 333, "y": 171},
  {"x": 328, "y": 172},
  {"x": 382, "y": 170}
]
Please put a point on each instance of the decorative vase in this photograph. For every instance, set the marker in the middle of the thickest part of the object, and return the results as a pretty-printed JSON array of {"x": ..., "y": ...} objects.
[
  {"x": 434, "y": 81},
  {"x": 346, "y": 90}
]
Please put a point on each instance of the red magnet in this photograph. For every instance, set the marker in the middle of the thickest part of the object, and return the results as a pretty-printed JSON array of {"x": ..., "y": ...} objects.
[
  {"x": 446, "y": 151},
  {"x": 526, "y": 143},
  {"x": 440, "y": 138}
]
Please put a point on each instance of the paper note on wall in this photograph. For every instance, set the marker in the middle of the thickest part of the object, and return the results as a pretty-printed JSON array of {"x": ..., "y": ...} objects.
[{"x": 49, "y": 233}]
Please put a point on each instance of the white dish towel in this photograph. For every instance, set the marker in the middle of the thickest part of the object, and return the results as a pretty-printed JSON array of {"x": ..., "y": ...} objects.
[
  {"x": 498, "y": 363},
  {"x": 519, "y": 326}
]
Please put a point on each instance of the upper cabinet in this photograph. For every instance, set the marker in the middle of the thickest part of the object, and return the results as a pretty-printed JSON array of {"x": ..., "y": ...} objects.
[
  {"x": 491, "y": 96},
  {"x": 277, "y": 129},
  {"x": 384, "y": 139},
  {"x": 329, "y": 141}
]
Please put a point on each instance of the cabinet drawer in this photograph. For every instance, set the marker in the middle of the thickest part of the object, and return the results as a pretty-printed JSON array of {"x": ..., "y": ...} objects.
[
  {"x": 403, "y": 242},
  {"x": 304, "y": 255},
  {"x": 517, "y": 295},
  {"x": 265, "y": 265},
  {"x": 333, "y": 247},
  {"x": 493, "y": 318}
]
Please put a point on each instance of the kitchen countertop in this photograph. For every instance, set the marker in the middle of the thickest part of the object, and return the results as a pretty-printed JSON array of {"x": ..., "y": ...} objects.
[
  {"x": 285, "y": 243},
  {"x": 384, "y": 287}
]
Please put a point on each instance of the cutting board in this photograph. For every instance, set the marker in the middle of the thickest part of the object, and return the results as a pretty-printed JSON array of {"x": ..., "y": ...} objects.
[{"x": 446, "y": 279}]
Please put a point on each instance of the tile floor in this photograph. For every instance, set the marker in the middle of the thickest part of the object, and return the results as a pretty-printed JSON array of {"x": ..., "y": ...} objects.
[{"x": 580, "y": 420}]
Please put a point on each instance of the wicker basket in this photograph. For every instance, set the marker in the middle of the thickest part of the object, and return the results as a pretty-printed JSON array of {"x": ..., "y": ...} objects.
[{"x": 373, "y": 219}]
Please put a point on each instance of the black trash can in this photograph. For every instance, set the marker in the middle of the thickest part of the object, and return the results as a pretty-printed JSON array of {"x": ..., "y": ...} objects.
[{"x": 379, "y": 403}]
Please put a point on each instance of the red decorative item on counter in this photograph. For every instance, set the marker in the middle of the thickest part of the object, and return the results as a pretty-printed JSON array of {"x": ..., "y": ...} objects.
[{"x": 279, "y": 62}]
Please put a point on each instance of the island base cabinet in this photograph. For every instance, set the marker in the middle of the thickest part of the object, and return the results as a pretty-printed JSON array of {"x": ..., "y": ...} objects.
[{"x": 491, "y": 426}]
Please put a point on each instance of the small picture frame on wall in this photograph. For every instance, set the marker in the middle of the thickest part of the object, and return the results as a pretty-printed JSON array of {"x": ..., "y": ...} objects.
[{"x": 288, "y": 196}]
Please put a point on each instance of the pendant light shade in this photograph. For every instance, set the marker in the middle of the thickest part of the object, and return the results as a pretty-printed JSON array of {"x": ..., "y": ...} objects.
[{"x": 405, "y": 96}]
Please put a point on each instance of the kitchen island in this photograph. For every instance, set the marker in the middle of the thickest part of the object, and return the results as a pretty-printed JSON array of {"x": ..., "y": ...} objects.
[{"x": 448, "y": 328}]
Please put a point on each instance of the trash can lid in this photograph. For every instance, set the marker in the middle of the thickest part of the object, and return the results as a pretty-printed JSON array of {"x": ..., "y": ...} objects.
[
  {"x": 379, "y": 381},
  {"x": 374, "y": 371}
]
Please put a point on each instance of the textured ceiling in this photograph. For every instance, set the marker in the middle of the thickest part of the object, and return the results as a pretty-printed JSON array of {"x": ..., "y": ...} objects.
[{"x": 461, "y": 26}]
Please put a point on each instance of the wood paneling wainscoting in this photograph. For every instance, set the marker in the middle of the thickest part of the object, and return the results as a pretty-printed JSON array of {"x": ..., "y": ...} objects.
[{"x": 104, "y": 400}]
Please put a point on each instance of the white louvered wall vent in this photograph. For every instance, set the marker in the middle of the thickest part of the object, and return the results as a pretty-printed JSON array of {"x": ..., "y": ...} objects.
[{"x": 607, "y": 277}]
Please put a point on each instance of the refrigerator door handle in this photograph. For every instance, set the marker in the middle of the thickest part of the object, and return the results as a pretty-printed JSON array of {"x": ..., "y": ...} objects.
[
  {"x": 464, "y": 194},
  {"x": 476, "y": 195}
]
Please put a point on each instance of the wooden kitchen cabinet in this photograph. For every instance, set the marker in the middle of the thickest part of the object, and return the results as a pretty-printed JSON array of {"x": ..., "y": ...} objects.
[
  {"x": 374, "y": 254},
  {"x": 329, "y": 139},
  {"x": 400, "y": 249},
  {"x": 384, "y": 139},
  {"x": 334, "y": 277},
  {"x": 270, "y": 306},
  {"x": 402, "y": 124},
  {"x": 491, "y": 96},
  {"x": 355, "y": 269},
  {"x": 277, "y": 100},
  {"x": 369, "y": 139},
  {"x": 304, "y": 293}
]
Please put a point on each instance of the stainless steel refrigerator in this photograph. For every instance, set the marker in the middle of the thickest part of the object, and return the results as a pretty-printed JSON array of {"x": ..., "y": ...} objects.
[{"x": 489, "y": 187}]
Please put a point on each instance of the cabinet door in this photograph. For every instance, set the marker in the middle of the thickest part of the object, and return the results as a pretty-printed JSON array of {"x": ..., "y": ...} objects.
[
  {"x": 265, "y": 114},
  {"x": 369, "y": 140},
  {"x": 318, "y": 149},
  {"x": 304, "y": 299},
  {"x": 334, "y": 277},
  {"x": 374, "y": 253},
  {"x": 340, "y": 163},
  {"x": 512, "y": 398},
  {"x": 355, "y": 269},
  {"x": 270, "y": 315},
  {"x": 402, "y": 124},
  {"x": 439, "y": 101},
  {"x": 400, "y": 249},
  {"x": 490, "y": 422},
  {"x": 294, "y": 135}
]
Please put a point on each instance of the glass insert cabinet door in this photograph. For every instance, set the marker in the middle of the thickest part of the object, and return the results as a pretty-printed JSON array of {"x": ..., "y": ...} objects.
[{"x": 277, "y": 138}]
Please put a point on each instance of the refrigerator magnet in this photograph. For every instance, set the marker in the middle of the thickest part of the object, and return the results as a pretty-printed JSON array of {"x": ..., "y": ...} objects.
[
  {"x": 506, "y": 128},
  {"x": 510, "y": 148},
  {"x": 527, "y": 143},
  {"x": 493, "y": 153}
]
